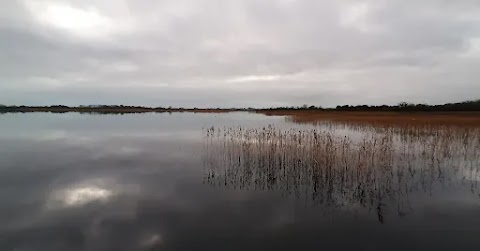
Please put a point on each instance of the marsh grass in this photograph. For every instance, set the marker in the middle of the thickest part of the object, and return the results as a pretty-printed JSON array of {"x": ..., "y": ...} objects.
[
  {"x": 383, "y": 166},
  {"x": 390, "y": 119}
]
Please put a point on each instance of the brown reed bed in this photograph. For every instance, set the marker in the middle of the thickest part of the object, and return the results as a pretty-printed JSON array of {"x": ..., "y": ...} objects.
[
  {"x": 471, "y": 119},
  {"x": 380, "y": 168}
]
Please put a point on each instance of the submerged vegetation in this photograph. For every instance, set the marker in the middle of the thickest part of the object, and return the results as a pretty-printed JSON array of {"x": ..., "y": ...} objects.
[{"x": 370, "y": 168}]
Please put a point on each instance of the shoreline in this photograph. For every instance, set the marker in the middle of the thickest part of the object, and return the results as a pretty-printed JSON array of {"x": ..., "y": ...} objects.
[{"x": 460, "y": 118}]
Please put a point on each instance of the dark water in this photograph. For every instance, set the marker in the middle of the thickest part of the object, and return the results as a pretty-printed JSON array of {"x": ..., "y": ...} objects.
[{"x": 144, "y": 182}]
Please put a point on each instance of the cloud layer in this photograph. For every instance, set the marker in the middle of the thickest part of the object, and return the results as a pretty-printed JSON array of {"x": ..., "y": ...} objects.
[{"x": 238, "y": 53}]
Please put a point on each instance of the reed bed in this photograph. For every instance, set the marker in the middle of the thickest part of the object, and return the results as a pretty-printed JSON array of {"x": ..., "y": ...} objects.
[
  {"x": 377, "y": 118},
  {"x": 382, "y": 166}
]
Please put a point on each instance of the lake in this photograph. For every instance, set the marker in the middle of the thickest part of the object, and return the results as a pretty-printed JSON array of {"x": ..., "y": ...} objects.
[{"x": 234, "y": 181}]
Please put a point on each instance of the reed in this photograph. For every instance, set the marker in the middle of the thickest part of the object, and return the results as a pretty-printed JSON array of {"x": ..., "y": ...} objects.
[
  {"x": 373, "y": 168},
  {"x": 378, "y": 118}
]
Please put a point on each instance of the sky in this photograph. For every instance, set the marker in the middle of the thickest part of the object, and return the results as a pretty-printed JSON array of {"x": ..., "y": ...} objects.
[{"x": 231, "y": 53}]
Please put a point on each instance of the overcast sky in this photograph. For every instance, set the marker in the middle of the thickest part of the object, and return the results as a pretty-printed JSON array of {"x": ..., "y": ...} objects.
[{"x": 225, "y": 53}]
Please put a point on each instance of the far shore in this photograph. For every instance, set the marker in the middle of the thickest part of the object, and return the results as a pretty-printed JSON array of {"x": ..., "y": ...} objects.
[
  {"x": 466, "y": 118},
  {"x": 102, "y": 110}
]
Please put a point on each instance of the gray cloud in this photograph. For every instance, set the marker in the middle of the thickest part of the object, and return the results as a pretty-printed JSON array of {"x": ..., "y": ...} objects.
[{"x": 238, "y": 53}]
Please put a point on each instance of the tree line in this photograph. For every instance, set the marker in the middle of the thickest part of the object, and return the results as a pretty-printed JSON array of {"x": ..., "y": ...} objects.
[{"x": 401, "y": 107}]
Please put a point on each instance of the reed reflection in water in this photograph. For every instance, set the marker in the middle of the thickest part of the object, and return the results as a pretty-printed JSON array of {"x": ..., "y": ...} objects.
[{"x": 382, "y": 168}]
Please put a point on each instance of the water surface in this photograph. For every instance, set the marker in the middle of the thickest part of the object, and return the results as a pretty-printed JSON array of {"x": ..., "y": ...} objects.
[{"x": 144, "y": 182}]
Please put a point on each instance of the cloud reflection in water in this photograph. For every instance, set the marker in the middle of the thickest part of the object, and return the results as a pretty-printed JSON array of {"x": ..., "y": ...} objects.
[{"x": 79, "y": 195}]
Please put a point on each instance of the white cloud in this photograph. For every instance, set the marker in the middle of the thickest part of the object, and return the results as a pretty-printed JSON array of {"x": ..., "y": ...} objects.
[
  {"x": 473, "y": 48},
  {"x": 44, "y": 81},
  {"x": 355, "y": 16},
  {"x": 253, "y": 78},
  {"x": 85, "y": 22},
  {"x": 80, "y": 22},
  {"x": 231, "y": 52}
]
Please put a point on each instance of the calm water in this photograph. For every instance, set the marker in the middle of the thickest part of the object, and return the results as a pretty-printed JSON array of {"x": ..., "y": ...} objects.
[{"x": 153, "y": 182}]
